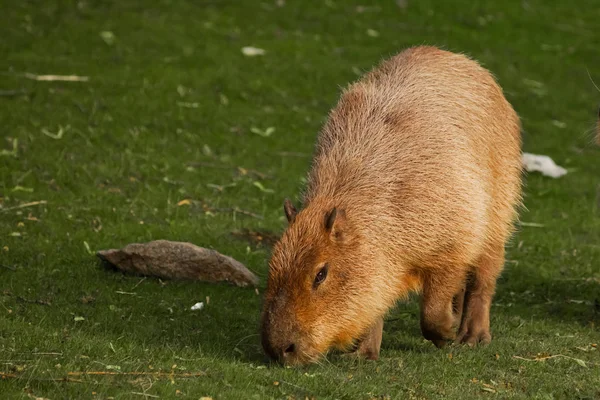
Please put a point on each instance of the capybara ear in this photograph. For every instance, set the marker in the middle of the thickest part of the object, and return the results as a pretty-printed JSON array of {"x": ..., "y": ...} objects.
[
  {"x": 334, "y": 223},
  {"x": 290, "y": 210}
]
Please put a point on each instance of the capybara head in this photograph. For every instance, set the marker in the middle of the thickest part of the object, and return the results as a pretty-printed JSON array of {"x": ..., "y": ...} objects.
[{"x": 317, "y": 292}]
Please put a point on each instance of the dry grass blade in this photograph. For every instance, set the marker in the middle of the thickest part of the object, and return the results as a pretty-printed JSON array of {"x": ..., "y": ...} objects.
[
  {"x": 541, "y": 358},
  {"x": 24, "y": 205},
  {"x": 141, "y": 373}
]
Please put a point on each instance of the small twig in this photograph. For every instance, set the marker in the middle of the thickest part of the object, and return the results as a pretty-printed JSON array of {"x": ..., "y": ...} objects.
[
  {"x": 531, "y": 224},
  {"x": 12, "y": 93},
  {"x": 541, "y": 359},
  {"x": 244, "y": 338},
  {"x": 31, "y": 204},
  {"x": 146, "y": 395},
  {"x": 47, "y": 354},
  {"x": 292, "y": 154},
  {"x": 127, "y": 293},
  {"x": 155, "y": 374},
  {"x": 8, "y": 267},
  {"x": 4, "y": 376},
  {"x": 138, "y": 284},
  {"x": 41, "y": 302},
  {"x": 52, "y": 78},
  {"x": 236, "y": 210},
  {"x": 210, "y": 165},
  {"x": 593, "y": 83},
  {"x": 259, "y": 174},
  {"x": 296, "y": 386}
]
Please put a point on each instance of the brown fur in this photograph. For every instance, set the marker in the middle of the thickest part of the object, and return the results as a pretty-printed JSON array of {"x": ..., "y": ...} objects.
[{"x": 421, "y": 161}]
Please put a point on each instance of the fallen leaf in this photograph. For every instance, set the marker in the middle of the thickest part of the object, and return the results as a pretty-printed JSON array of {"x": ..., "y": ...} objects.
[
  {"x": 372, "y": 33},
  {"x": 78, "y": 319},
  {"x": 250, "y": 51},
  {"x": 108, "y": 37},
  {"x": 184, "y": 202},
  {"x": 224, "y": 100},
  {"x": 206, "y": 150},
  {"x": 13, "y": 152},
  {"x": 580, "y": 362},
  {"x": 87, "y": 299}
]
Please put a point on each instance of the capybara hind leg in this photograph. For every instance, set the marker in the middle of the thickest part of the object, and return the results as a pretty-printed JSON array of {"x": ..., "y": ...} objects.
[
  {"x": 370, "y": 344},
  {"x": 441, "y": 291},
  {"x": 475, "y": 325}
]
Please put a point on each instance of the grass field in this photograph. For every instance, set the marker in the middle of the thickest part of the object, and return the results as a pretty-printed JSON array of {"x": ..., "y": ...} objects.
[{"x": 174, "y": 111}]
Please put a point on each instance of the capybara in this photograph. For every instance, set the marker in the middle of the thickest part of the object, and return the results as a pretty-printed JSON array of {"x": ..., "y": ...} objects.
[{"x": 415, "y": 186}]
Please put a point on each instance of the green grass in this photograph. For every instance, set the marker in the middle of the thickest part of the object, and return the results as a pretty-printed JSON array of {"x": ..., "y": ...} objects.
[{"x": 133, "y": 146}]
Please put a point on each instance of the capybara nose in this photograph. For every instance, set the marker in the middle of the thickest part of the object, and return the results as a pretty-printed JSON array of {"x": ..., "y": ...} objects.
[{"x": 289, "y": 350}]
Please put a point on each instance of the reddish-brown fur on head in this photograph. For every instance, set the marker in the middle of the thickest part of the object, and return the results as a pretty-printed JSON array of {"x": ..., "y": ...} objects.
[
  {"x": 414, "y": 186},
  {"x": 311, "y": 311}
]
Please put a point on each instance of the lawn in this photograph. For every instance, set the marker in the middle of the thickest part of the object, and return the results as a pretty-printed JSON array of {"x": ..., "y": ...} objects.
[{"x": 173, "y": 111}]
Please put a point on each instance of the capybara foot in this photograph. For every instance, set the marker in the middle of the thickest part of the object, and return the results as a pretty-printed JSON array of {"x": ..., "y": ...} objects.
[
  {"x": 440, "y": 331},
  {"x": 370, "y": 344},
  {"x": 481, "y": 337},
  {"x": 475, "y": 327}
]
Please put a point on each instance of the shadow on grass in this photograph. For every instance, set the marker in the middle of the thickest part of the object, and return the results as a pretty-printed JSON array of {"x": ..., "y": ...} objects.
[{"x": 228, "y": 327}]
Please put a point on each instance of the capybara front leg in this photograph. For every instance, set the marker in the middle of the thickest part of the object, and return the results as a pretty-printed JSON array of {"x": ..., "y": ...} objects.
[
  {"x": 441, "y": 303},
  {"x": 370, "y": 344},
  {"x": 458, "y": 303},
  {"x": 475, "y": 325}
]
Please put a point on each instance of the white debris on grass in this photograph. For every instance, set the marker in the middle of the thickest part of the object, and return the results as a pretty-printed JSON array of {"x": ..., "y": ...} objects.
[
  {"x": 543, "y": 164},
  {"x": 197, "y": 307},
  {"x": 250, "y": 51}
]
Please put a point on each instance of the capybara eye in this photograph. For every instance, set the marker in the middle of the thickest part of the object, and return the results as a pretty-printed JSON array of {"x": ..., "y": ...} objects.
[{"x": 321, "y": 275}]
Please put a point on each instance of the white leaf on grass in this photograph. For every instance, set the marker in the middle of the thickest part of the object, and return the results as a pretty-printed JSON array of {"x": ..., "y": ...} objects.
[
  {"x": 543, "y": 164},
  {"x": 108, "y": 37},
  {"x": 250, "y": 51}
]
